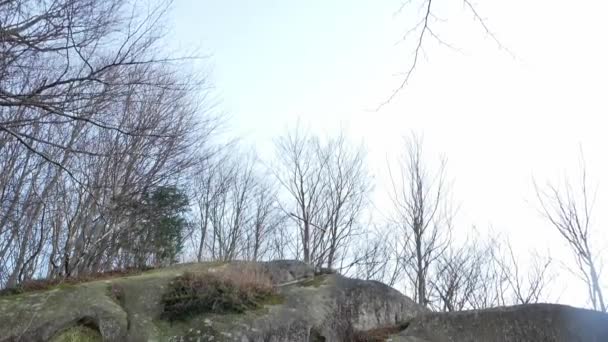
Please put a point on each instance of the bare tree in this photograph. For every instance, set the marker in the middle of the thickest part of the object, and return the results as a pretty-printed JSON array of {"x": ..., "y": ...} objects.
[
  {"x": 422, "y": 216},
  {"x": 457, "y": 276},
  {"x": 300, "y": 172},
  {"x": 486, "y": 273},
  {"x": 230, "y": 213},
  {"x": 267, "y": 220},
  {"x": 237, "y": 213},
  {"x": 326, "y": 187},
  {"x": 347, "y": 192},
  {"x": 525, "y": 285},
  {"x": 211, "y": 183},
  {"x": 569, "y": 210},
  {"x": 92, "y": 116},
  {"x": 376, "y": 258},
  {"x": 65, "y": 62},
  {"x": 425, "y": 28}
]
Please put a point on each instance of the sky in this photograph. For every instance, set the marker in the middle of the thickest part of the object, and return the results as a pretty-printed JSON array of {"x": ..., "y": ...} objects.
[{"x": 502, "y": 115}]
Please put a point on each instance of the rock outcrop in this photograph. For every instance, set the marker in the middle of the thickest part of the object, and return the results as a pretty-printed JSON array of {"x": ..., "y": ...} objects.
[
  {"x": 325, "y": 307},
  {"x": 521, "y": 323},
  {"x": 310, "y": 307}
]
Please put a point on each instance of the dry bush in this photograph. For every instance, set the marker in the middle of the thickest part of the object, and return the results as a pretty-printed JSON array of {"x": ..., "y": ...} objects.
[
  {"x": 234, "y": 289},
  {"x": 247, "y": 275}
]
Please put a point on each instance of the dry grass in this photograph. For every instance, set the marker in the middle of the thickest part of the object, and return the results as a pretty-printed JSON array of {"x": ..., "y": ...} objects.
[
  {"x": 46, "y": 284},
  {"x": 78, "y": 334},
  {"x": 247, "y": 276},
  {"x": 378, "y": 334},
  {"x": 235, "y": 289}
]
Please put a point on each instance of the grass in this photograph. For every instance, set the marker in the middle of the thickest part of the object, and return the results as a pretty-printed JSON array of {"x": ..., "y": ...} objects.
[
  {"x": 78, "y": 333},
  {"x": 314, "y": 281},
  {"x": 235, "y": 289},
  {"x": 379, "y": 334},
  {"x": 273, "y": 299},
  {"x": 47, "y": 284}
]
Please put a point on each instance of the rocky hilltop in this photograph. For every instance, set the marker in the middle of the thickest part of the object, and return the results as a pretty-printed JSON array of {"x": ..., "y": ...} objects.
[{"x": 303, "y": 305}]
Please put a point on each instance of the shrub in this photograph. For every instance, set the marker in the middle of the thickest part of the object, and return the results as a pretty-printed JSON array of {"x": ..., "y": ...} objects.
[{"x": 233, "y": 290}]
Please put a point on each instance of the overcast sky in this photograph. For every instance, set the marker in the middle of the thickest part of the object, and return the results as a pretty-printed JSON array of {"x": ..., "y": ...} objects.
[{"x": 500, "y": 117}]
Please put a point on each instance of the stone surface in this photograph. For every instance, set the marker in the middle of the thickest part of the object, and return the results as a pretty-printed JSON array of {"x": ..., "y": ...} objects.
[
  {"x": 285, "y": 271},
  {"x": 326, "y": 307},
  {"x": 521, "y": 323},
  {"x": 310, "y": 307}
]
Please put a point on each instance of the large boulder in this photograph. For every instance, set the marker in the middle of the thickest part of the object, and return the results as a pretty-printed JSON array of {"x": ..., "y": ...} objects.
[
  {"x": 309, "y": 307},
  {"x": 322, "y": 307},
  {"x": 325, "y": 308},
  {"x": 521, "y": 323}
]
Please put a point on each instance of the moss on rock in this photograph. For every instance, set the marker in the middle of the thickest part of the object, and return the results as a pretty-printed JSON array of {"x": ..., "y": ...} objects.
[
  {"x": 78, "y": 333},
  {"x": 129, "y": 308},
  {"x": 314, "y": 281}
]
